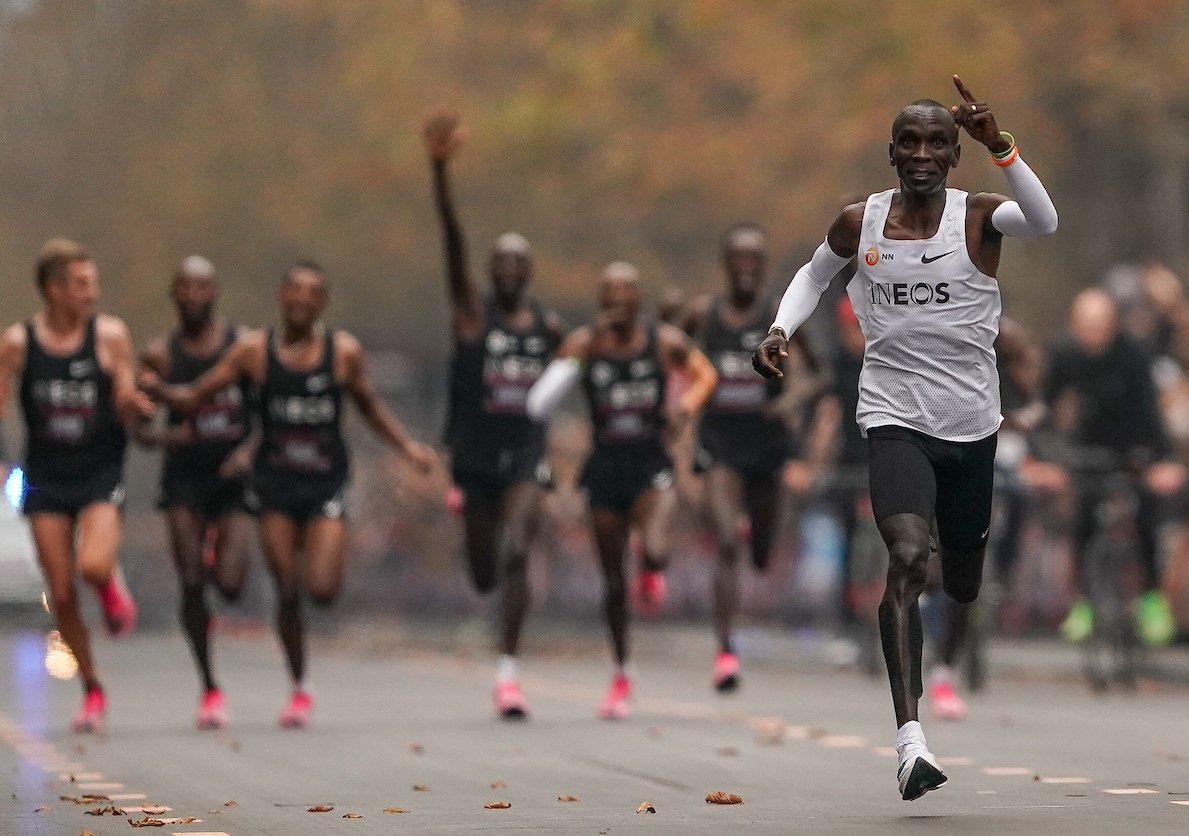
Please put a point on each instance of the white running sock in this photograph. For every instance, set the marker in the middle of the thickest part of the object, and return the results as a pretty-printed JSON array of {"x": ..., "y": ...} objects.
[
  {"x": 910, "y": 741},
  {"x": 506, "y": 670}
]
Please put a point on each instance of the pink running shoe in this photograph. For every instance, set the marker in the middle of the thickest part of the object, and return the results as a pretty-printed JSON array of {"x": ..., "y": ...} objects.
[
  {"x": 296, "y": 713},
  {"x": 212, "y": 711},
  {"x": 649, "y": 591},
  {"x": 615, "y": 702},
  {"x": 509, "y": 702},
  {"x": 89, "y": 717},
  {"x": 119, "y": 608},
  {"x": 726, "y": 672},
  {"x": 944, "y": 700}
]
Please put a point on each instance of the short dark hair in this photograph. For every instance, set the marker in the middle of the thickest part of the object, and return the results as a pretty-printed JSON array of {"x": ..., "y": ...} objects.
[
  {"x": 919, "y": 103},
  {"x": 728, "y": 236},
  {"x": 303, "y": 264},
  {"x": 56, "y": 254}
]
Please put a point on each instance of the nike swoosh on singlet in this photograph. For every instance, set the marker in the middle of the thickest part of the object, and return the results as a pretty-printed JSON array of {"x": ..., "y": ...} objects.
[{"x": 929, "y": 259}]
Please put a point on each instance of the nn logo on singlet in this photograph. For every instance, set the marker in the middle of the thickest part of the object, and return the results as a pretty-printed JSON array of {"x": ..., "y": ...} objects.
[
  {"x": 873, "y": 256},
  {"x": 903, "y": 293}
]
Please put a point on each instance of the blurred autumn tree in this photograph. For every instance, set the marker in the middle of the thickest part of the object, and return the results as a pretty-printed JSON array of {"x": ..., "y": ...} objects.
[{"x": 259, "y": 130}]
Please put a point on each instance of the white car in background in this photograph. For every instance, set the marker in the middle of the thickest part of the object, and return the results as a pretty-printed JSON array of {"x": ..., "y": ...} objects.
[{"x": 20, "y": 576}]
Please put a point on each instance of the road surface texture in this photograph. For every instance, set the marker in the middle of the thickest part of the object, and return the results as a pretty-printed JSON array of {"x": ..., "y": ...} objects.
[{"x": 402, "y": 719}]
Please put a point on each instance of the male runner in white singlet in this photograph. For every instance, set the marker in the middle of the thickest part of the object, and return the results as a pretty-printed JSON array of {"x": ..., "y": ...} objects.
[{"x": 926, "y": 296}]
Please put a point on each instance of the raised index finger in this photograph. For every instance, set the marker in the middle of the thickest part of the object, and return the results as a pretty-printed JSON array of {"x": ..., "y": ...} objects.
[{"x": 962, "y": 91}]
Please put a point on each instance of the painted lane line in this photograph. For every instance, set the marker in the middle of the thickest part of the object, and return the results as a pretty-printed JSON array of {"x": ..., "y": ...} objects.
[
  {"x": 843, "y": 741},
  {"x": 1182, "y": 803},
  {"x": 1131, "y": 791},
  {"x": 1006, "y": 770},
  {"x": 884, "y": 751},
  {"x": 201, "y": 833},
  {"x": 100, "y": 785},
  {"x": 80, "y": 776},
  {"x": 1070, "y": 780},
  {"x": 956, "y": 760}
]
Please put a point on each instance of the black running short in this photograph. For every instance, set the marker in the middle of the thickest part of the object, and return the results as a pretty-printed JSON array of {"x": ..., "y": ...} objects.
[
  {"x": 47, "y": 497},
  {"x": 756, "y": 449},
  {"x": 300, "y": 500},
  {"x": 486, "y": 481},
  {"x": 615, "y": 476},
  {"x": 210, "y": 499},
  {"x": 914, "y": 473}
]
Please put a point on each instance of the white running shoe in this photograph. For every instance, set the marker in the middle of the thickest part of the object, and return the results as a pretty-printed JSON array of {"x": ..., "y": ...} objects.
[{"x": 919, "y": 773}]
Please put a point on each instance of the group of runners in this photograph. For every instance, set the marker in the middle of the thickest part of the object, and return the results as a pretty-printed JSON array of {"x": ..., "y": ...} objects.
[{"x": 252, "y": 419}]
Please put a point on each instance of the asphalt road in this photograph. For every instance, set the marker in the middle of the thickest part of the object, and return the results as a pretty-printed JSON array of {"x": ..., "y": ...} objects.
[{"x": 805, "y": 745}]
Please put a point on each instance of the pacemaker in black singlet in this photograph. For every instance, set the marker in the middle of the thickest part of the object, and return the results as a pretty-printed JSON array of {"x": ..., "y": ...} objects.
[
  {"x": 494, "y": 442},
  {"x": 626, "y": 397},
  {"x": 74, "y": 454},
  {"x": 190, "y": 474},
  {"x": 301, "y": 467},
  {"x": 737, "y": 428}
]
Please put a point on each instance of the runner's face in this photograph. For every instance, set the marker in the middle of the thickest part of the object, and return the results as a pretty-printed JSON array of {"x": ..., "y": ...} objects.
[
  {"x": 194, "y": 297},
  {"x": 76, "y": 289},
  {"x": 924, "y": 149},
  {"x": 509, "y": 274},
  {"x": 745, "y": 261},
  {"x": 619, "y": 300},
  {"x": 303, "y": 297}
]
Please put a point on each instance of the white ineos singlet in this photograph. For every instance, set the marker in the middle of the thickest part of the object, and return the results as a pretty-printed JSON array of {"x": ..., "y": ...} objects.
[{"x": 930, "y": 319}]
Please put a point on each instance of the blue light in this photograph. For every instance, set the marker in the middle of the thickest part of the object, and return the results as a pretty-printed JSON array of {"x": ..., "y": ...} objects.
[{"x": 14, "y": 488}]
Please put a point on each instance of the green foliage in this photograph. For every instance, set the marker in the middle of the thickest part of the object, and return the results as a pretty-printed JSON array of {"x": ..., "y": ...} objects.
[{"x": 257, "y": 131}]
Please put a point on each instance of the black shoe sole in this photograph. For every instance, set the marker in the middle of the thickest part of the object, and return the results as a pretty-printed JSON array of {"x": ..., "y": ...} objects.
[
  {"x": 925, "y": 777},
  {"x": 727, "y": 685},
  {"x": 514, "y": 714}
]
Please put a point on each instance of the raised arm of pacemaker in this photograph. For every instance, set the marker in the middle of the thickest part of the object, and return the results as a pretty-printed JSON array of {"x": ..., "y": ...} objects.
[
  {"x": 1032, "y": 213},
  {"x": 551, "y": 387},
  {"x": 807, "y": 287}
]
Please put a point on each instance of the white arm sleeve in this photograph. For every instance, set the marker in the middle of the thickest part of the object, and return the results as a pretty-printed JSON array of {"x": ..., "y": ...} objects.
[
  {"x": 1032, "y": 213},
  {"x": 551, "y": 387},
  {"x": 807, "y": 287}
]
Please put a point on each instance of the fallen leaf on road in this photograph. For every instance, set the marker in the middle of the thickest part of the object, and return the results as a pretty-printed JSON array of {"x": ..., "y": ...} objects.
[
  {"x": 352, "y": 816},
  {"x": 84, "y": 799},
  {"x": 416, "y": 748},
  {"x": 85, "y": 833},
  {"x": 320, "y": 808},
  {"x": 146, "y": 822},
  {"x": 498, "y": 785},
  {"x": 727, "y": 752},
  {"x": 185, "y": 820},
  {"x": 646, "y": 807},
  {"x": 231, "y": 804},
  {"x": 154, "y": 809},
  {"x": 420, "y": 788},
  {"x": 497, "y": 805},
  {"x": 73, "y": 779},
  {"x": 43, "y": 809},
  {"x": 721, "y": 797},
  {"x": 106, "y": 811},
  {"x": 1035, "y": 777},
  {"x": 567, "y": 798},
  {"x": 395, "y": 810}
]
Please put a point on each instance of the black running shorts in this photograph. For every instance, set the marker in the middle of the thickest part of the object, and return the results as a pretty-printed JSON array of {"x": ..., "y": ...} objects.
[
  {"x": 756, "y": 449},
  {"x": 615, "y": 476},
  {"x": 300, "y": 500},
  {"x": 209, "y": 499},
  {"x": 914, "y": 473},
  {"x": 46, "y": 497},
  {"x": 485, "y": 481}
]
